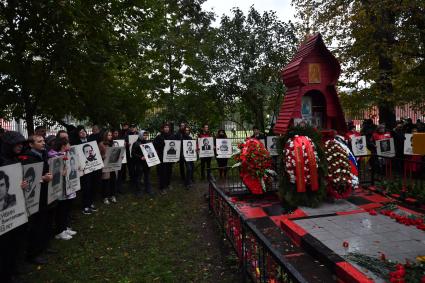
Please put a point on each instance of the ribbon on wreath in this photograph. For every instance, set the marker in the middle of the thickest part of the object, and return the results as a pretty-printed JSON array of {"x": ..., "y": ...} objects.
[{"x": 300, "y": 162}]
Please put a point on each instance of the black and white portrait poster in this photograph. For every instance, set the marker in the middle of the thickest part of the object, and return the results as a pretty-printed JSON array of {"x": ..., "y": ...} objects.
[
  {"x": 32, "y": 174},
  {"x": 121, "y": 143},
  {"x": 189, "y": 150},
  {"x": 73, "y": 176},
  {"x": 272, "y": 145},
  {"x": 385, "y": 147},
  {"x": 13, "y": 212},
  {"x": 89, "y": 157},
  {"x": 55, "y": 189},
  {"x": 113, "y": 159},
  {"x": 408, "y": 150},
  {"x": 132, "y": 139},
  {"x": 171, "y": 151},
  {"x": 150, "y": 154},
  {"x": 358, "y": 145},
  {"x": 223, "y": 148},
  {"x": 206, "y": 147}
]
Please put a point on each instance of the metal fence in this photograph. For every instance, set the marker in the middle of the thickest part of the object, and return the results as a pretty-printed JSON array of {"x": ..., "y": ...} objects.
[{"x": 259, "y": 261}]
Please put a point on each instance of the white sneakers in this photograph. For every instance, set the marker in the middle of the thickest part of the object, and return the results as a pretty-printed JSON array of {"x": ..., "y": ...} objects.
[
  {"x": 70, "y": 232},
  {"x": 108, "y": 201},
  {"x": 63, "y": 236},
  {"x": 66, "y": 234}
]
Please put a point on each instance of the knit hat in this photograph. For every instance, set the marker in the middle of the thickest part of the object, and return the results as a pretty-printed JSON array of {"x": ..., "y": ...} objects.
[{"x": 12, "y": 138}]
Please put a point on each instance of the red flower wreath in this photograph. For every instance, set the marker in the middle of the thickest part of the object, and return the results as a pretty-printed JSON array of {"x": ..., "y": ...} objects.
[{"x": 256, "y": 163}]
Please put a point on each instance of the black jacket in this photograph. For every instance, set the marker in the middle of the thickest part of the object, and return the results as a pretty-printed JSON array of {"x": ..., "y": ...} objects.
[
  {"x": 159, "y": 143},
  {"x": 137, "y": 154}
]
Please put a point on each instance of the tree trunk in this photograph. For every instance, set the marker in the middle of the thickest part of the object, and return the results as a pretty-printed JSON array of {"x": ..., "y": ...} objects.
[{"x": 29, "y": 119}]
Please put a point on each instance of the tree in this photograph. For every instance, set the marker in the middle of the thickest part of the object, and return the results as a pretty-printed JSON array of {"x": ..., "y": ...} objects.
[
  {"x": 380, "y": 44},
  {"x": 250, "y": 53},
  {"x": 75, "y": 58}
]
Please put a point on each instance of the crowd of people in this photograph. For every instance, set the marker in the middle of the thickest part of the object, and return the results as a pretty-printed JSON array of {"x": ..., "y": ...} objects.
[{"x": 29, "y": 243}]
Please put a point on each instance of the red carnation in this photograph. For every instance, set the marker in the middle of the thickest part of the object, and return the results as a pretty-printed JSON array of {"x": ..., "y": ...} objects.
[{"x": 22, "y": 157}]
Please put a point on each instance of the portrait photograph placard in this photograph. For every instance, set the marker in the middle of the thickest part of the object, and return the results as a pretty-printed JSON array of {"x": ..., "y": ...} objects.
[
  {"x": 55, "y": 189},
  {"x": 358, "y": 145},
  {"x": 72, "y": 176},
  {"x": 206, "y": 147},
  {"x": 121, "y": 143},
  {"x": 223, "y": 148},
  {"x": 89, "y": 157},
  {"x": 385, "y": 147},
  {"x": 150, "y": 154},
  {"x": 13, "y": 211},
  {"x": 408, "y": 149},
  {"x": 32, "y": 174},
  {"x": 171, "y": 151},
  {"x": 189, "y": 150},
  {"x": 113, "y": 159},
  {"x": 272, "y": 145},
  {"x": 132, "y": 139}
]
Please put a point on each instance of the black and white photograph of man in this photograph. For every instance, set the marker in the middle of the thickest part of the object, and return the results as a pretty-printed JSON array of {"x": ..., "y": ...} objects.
[
  {"x": 6, "y": 200},
  {"x": 224, "y": 146},
  {"x": 149, "y": 151},
  {"x": 385, "y": 146},
  {"x": 73, "y": 164},
  {"x": 172, "y": 149},
  {"x": 56, "y": 172},
  {"x": 206, "y": 144},
  {"x": 115, "y": 155},
  {"x": 274, "y": 141},
  {"x": 89, "y": 153},
  {"x": 29, "y": 176},
  {"x": 189, "y": 149}
]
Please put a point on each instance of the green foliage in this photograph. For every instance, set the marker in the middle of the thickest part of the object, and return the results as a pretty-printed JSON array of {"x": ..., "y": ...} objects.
[
  {"x": 288, "y": 190},
  {"x": 250, "y": 51},
  {"x": 379, "y": 43}
]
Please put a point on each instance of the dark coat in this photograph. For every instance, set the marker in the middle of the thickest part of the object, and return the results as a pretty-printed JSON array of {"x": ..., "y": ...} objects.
[
  {"x": 159, "y": 143},
  {"x": 137, "y": 154}
]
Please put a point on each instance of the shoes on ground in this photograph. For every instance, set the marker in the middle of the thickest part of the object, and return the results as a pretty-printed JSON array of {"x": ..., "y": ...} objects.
[
  {"x": 93, "y": 208},
  {"x": 39, "y": 260},
  {"x": 63, "y": 236},
  {"x": 87, "y": 211},
  {"x": 106, "y": 201},
  {"x": 113, "y": 199},
  {"x": 70, "y": 232}
]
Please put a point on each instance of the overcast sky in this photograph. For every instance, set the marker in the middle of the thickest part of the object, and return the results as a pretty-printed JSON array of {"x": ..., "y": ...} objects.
[{"x": 283, "y": 8}]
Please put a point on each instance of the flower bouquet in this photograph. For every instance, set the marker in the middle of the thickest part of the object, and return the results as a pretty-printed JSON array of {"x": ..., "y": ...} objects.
[{"x": 255, "y": 166}]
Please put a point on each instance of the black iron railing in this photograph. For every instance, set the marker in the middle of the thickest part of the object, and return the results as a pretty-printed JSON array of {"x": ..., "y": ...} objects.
[{"x": 259, "y": 261}]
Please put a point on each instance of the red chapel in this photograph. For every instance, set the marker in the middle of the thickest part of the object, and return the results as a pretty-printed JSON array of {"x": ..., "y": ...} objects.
[{"x": 311, "y": 95}]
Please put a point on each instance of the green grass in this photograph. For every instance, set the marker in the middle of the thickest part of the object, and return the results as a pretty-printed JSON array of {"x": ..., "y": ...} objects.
[{"x": 168, "y": 238}]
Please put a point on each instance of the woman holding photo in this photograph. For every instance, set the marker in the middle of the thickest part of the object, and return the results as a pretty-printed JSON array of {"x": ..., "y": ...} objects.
[
  {"x": 63, "y": 231},
  {"x": 108, "y": 178}
]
